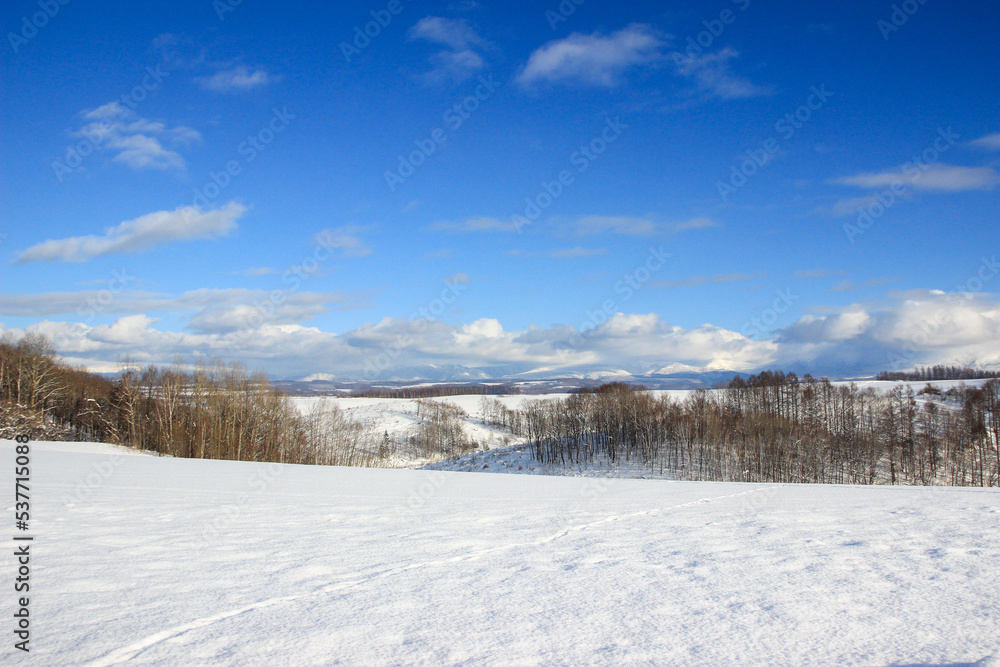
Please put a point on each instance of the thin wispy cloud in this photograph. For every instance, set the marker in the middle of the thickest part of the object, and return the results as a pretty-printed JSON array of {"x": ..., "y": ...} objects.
[
  {"x": 456, "y": 34},
  {"x": 625, "y": 225},
  {"x": 461, "y": 58},
  {"x": 694, "y": 224},
  {"x": 345, "y": 240},
  {"x": 712, "y": 75},
  {"x": 255, "y": 272},
  {"x": 935, "y": 177},
  {"x": 474, "y": 225},
  {"x": 991, "y": 142},
  {"x": 236, "y": 80},
  {"x": 140, "y": 234},
  {"x": 595, "y": 59},
  {"x": 849, "y": 206},
  {"x": 717, "y": 279},
  {"x": 565, "y": 253},
  {"x": 201, "y": 305},
  {"x": 816, "y": 273},
  {"x": 851, "y": 286}
]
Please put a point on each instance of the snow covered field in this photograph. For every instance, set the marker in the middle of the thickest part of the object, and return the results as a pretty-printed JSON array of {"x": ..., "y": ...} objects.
[
  {"x": 145, "y": 560},
  {"x": 398, "y": 416}
]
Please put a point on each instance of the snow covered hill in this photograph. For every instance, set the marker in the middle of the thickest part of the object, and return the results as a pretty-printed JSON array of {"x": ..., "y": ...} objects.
[{"x": 146, "y": 560}]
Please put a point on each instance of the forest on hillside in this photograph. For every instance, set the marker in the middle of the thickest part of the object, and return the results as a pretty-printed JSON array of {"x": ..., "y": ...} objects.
[
  {"x": 938, "y": 373},
  {"x": 772, "y": 427},
  {"x": 216, "y": 411}
]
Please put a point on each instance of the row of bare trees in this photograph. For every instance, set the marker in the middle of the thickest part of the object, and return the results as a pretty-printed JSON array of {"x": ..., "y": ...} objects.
[
  {"x": 771, "y": 427},
  {"x": 215, "y": 411}
]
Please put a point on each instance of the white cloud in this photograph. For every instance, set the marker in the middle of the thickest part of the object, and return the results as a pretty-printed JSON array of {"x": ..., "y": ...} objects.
[
  {"x": 920, "y": 327},
  {"x": 565, "y": 253},
  {"x": 851, "y": 205},
  {"x": 461, "y": 59},
  {"x": 456, "y": 66},
  {"x": 635, "y": 226},
  {"x": 717, "y": 279},
  {"x": 695, "y": 223},
  {"x": 915, "y": 328},
  {"x": 135, "y": 141},
  {"x": 991, "y": 142},
  {"x": 711, "y": 75},
  {"x": 236, "y": 80},
  {"x": 344, "y": 239},
  {"x": 849, "y": 285},
  {"x": 206, "y": 310},
  {"x": 140, "y": 234},
  {"x": 816, "y": 273},
  {"x": 595, "y": 59},
  {"x": 456, "y": 34},
  {"x": 935, "y": 177},
  {"x": 255, "y": 271},
  {"x": 471, "y": 225},
  {"x": 626, "y": 225}
]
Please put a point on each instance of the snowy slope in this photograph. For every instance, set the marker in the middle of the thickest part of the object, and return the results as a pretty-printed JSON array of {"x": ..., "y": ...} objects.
[
  {"x": 147, "y": 560},
  {"x": 398, "y": 416}
]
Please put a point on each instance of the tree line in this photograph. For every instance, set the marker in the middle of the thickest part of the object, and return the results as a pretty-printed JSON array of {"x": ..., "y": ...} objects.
[
  {"x": 433, "y": 391},
  {"x": 771, "y": 427},
  {"x": 216, "y": 411},
  {"x": 937, "y": 373}
]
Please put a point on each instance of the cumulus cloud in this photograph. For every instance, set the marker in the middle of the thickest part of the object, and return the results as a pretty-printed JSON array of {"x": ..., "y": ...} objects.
[
  {"x": 918, "y": 327},
  {"x": 140, "y": 234},
  {"x": 207, "y": 310},
  {"x": 135, "y": 141},
  {"x": 236, "y": 80},
  {"x": 935, "y": 177},
  {"x": 462, "y": 56},
  {"x": 595, "y": 59}
]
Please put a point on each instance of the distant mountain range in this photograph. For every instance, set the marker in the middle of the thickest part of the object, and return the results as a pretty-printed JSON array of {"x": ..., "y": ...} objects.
[{"x": 528, "y": 379}]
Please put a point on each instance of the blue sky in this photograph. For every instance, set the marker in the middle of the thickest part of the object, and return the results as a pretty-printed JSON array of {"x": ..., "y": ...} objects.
[{"x": 718, "y": 185}]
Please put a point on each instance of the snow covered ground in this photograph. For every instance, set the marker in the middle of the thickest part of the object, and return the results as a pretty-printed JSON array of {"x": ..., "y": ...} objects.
[
  {"x": 398, "y": 418},
  {"x": 145, "y": 560}
]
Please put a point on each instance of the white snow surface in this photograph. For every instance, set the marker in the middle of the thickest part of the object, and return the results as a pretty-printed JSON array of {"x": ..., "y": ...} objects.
[{"x": 148, "y": 560}]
